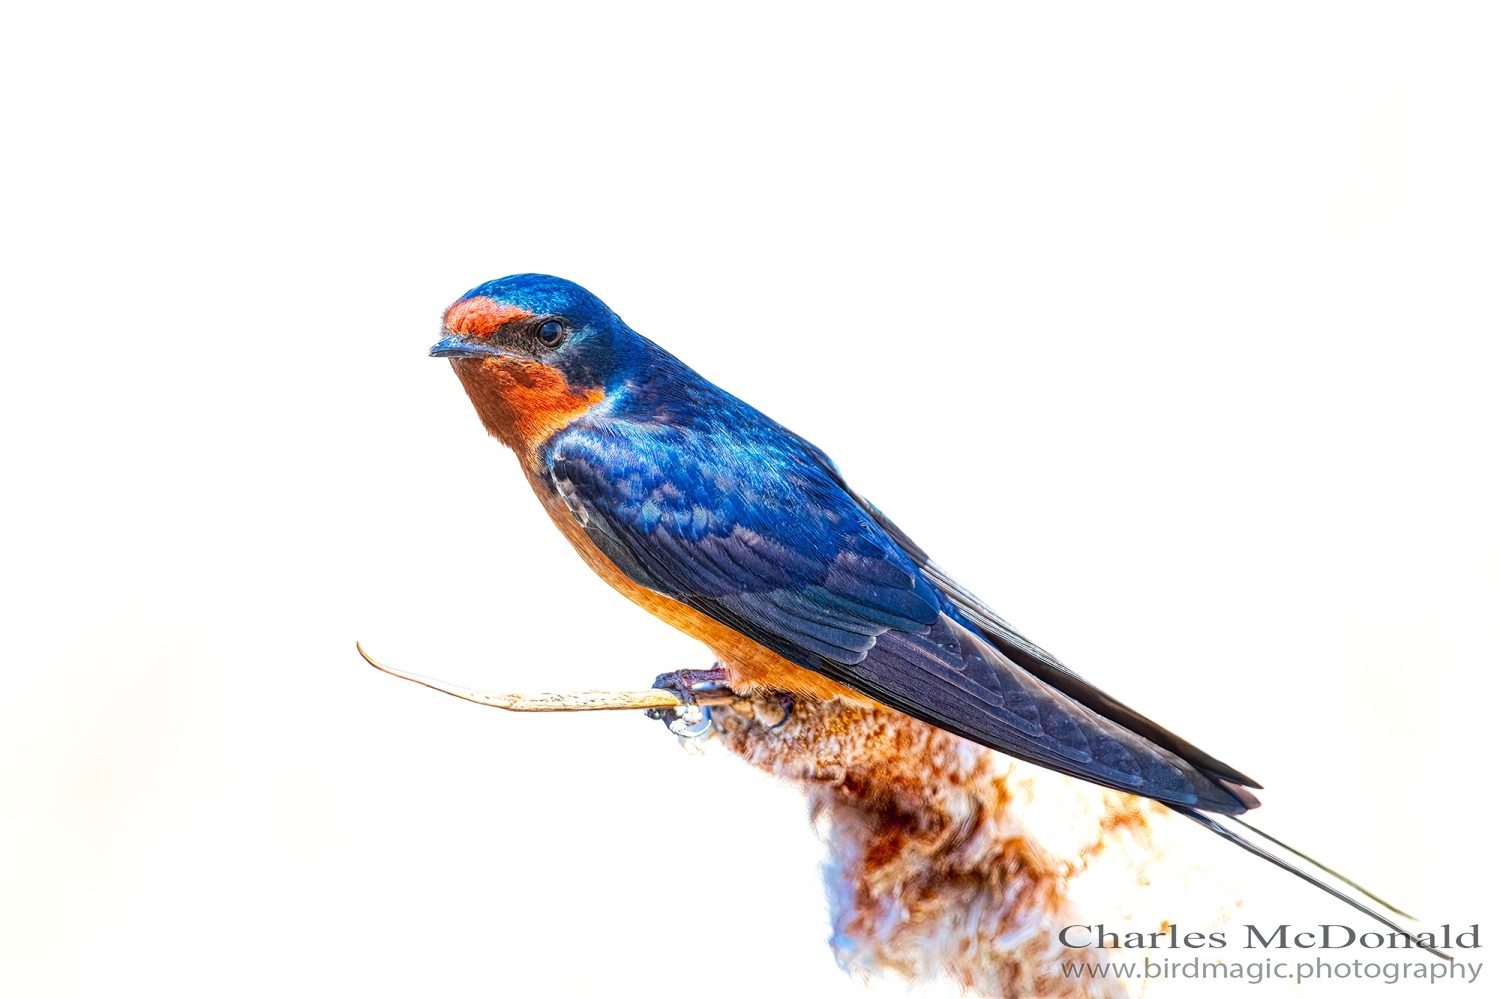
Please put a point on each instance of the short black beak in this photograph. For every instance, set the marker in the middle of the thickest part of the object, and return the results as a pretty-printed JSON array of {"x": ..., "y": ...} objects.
[{"x": 457, "y": 346}]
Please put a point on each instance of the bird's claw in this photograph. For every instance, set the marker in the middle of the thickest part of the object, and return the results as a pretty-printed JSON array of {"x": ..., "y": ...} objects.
[
  {"x": 692, "y": 719},
  {"x": 787, "y": 702}
]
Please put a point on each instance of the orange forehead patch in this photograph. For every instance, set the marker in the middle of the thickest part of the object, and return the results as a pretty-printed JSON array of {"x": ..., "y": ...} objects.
[{"x": 480, "y": 316}]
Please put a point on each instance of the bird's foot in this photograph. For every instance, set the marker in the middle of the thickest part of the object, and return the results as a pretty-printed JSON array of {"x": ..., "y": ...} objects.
[{"x": 694, "y": 686}]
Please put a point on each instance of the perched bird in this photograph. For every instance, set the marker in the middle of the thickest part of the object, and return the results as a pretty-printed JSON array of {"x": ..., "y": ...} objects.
[{"x": 742, "y": 534}]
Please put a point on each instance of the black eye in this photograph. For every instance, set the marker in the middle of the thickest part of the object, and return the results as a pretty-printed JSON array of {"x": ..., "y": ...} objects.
[{"x": 550, "y": 333}]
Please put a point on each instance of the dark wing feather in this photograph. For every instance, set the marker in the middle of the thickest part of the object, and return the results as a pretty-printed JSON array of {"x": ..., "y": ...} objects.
[
  {"x": 1042, "y": 665},
  {"x": 760, "y": 536}
]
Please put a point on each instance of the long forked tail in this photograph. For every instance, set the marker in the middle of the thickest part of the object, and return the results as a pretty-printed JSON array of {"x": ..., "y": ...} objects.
[{"x": 1269, "y": 848}]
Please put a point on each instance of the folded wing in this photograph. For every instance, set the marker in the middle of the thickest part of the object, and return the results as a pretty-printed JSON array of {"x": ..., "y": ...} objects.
[{"x": 764, "y": 537}]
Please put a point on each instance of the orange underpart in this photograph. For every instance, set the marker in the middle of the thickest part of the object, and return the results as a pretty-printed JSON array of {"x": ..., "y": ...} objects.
[{"x": 481, "y": 316}]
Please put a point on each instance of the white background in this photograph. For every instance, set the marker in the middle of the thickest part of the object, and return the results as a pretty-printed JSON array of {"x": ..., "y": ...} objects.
[{"x": 1170, "y": 330}]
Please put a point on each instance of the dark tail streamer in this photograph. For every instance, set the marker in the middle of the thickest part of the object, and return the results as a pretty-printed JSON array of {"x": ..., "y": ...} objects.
[{"x": 1373, "y": 908}]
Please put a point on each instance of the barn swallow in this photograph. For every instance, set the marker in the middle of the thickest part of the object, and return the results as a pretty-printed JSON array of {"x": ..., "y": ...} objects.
[{"x": 744, "y": 535}]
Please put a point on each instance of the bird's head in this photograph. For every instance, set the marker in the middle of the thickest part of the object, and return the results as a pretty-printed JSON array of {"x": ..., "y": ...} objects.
[{"x": 534, "y": 353}]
